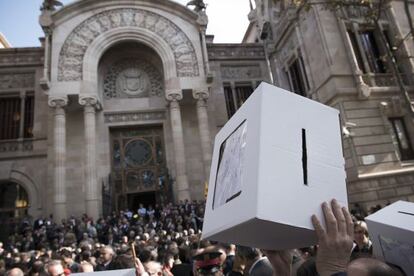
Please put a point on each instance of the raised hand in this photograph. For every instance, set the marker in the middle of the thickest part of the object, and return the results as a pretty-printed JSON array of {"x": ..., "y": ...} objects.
[{"x": 335, "y": 242}]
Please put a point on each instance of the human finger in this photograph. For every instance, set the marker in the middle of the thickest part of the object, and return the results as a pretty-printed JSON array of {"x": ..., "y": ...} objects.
[
  {"x": 320, "y": 232},
  {"x": 330, "y": 220},
  {"x": 349, "y": 222},
  {"x": 340, "y": 218}
]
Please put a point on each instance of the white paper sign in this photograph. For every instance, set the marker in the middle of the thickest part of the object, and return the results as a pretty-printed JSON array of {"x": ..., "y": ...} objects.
[{"x": 230, "y": 168}]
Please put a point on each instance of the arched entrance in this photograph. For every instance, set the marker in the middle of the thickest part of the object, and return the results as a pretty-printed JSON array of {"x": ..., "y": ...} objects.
[
  {"x": 14, "y": 205},
  {"x": 131, "y": 85}
]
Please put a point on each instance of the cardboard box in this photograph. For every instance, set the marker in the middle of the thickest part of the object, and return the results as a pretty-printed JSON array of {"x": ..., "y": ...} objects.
[
  {"x": 274, "y": 162},
  {"x": 121, "y": 272},
  {"x": 391, "y": 231}
]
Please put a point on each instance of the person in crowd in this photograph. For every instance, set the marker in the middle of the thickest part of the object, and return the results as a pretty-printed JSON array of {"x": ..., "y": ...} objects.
[
  {"x": 67, "y": 259},
  {"x": 208, "y": 263},
  {"x": 168, "y": 239},
  {"x": 106, "y": 259},
  {"x": 15, "y": 272},
  {"x": 86, "y": 267},
  {"x": 362, "y": 244},
  {"x": 230, "y": 250},
  {"x": 55, "y": 268},
  {"x": 254, "y": 261}
]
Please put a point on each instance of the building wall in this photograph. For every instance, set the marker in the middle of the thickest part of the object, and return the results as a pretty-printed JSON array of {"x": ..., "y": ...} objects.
[
  {"x": 23, "y": 161},
  {"x": 375, "y": 172}
]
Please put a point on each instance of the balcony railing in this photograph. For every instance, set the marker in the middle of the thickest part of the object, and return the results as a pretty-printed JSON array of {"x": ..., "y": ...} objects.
[
  {"x": 16, "y": 145},
  {"x": 387, "y": 79}
]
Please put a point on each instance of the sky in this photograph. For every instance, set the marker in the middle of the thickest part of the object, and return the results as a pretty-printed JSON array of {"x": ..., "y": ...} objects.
[{"x": 19, "y": 20}]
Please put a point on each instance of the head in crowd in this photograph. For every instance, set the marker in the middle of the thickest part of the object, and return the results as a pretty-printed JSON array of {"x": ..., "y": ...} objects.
[
  {"x": 15, "y": 272},
  {"x": 361, "y": 233},
  {"x": 363, "y": 245},
  {"x": 107, "y": 254},
  {"x": 55, "y": 268},
  {"x": 371, "y": 267},
  {"x": 208, "y": 263},
  {"x": 86, "y": 267},
  {"x": 153, "y": 268}
]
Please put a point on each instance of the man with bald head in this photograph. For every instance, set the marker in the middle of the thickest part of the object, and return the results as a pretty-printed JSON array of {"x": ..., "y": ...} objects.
[
  {"x": 15, "y": 272},
  {"x": 55, "y": 268},
  {"x": 370, "y": 267}
]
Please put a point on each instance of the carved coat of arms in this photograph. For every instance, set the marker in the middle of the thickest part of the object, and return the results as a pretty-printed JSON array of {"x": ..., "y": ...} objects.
[{"x": 132, "y": 81}]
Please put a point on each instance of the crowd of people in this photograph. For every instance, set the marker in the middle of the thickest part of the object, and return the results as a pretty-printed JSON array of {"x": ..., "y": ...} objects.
[{"x": 165, "y": 240}]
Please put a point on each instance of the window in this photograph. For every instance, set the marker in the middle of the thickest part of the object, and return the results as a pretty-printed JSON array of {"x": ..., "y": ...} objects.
[
  {"x": 370, "y": 48},
  {"x": 401, "y": 138},
  {"x": 297, "y": 77},
  {"x": 235, "y": 96},
  {"x": 14, "y": 116}
]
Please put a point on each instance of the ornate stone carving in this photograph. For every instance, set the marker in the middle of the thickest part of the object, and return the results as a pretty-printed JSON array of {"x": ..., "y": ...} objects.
[
  {"x": 134, "y": 116},
  {"x": 88, "y": 100},
  {"x": 75, "y": 46},
  {"x": 17, "y": 80},
  {"x": 230, "y": 51},
  {"x": 201, "y": 94},
  {"x": 174, "y": 96},
  {"x": 12, "y": 146},
  {"x": 132, "y": 78},
  {"x": 241, "y": 72},
  {"x": 21, "y": 57},
  {"x": 58, "y": 102}
]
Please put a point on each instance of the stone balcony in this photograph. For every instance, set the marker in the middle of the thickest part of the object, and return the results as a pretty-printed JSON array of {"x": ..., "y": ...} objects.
[
  {"x": 386, "y": 79},
  {"x": 22, "y": 148}
]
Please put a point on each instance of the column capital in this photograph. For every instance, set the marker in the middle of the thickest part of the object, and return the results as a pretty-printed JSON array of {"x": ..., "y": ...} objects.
[
  {"x": 201, "y": 94},
  {"x": 174, "y": 96},
  {"x": 88, "y": 101},
  {"x": 58, "y": 102}
]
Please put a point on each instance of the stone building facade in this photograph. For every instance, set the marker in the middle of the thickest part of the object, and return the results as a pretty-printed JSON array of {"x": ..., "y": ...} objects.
[
  {"x": 338, "y": 56},
  {"x": 118, "y": 107},
  {"x": 121, "y": 103}
]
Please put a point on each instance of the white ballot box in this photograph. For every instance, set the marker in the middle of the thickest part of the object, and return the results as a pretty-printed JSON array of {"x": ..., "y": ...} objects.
[
  {"x": 122, "y": 272},
  {"x": 391, "y": 231},
  {"x": 274, "y": 163}
]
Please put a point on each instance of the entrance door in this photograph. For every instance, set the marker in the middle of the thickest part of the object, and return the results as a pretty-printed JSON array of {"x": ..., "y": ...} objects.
[{"x": 138, "y": 166}]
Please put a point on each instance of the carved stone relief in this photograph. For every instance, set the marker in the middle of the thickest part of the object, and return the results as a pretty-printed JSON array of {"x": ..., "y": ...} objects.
[
  {"x": 217, "y": 52},
  {"x": 241, "y": 72},
  {"x": 7, "y": 59},
  {"x": 132, "y": 79},
  {"x": 75, "y": 46},
  {"x": 134, "y": 116},
  {"x": 17, "y": 80}
]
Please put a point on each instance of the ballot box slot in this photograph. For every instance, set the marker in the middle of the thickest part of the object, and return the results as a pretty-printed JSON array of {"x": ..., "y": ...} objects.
[
  {"x": 304, "y": 158},
  {"x": 406, "y": 213}
]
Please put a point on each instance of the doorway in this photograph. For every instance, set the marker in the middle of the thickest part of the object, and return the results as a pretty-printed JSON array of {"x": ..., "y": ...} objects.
[{"x": 141, "y": 198}]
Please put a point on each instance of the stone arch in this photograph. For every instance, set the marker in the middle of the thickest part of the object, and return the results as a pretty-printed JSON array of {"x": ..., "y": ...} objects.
[
  {"x": 22, "y": 179},
  {"x": 103, "y": 43},
  {"x": 154, "y": 27}
]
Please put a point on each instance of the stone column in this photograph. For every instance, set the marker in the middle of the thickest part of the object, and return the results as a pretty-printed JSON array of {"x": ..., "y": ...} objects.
[
  {"x": 92, "y": 191},
  {"x": 59, "y": 196},
  {"x": 181, "y": 188},
  {"x": 202, "y": 115}
]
